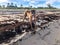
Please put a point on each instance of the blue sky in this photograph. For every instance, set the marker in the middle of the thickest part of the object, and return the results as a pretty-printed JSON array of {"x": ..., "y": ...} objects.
[{"x": 34, "y": 3}]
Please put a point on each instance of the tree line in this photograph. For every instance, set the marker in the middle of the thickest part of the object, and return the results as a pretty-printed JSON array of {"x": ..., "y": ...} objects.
[{"x": 14, "y": 6}]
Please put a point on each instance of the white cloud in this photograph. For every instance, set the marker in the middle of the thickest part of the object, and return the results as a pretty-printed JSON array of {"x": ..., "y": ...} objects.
[
  {"x": 51, "y": 1},
  {"x": 33, "y": 2},
  {"x": 1, "y": 1},
  {"x": 41, "y": 5},
  {"x": 26, "y": 0}
]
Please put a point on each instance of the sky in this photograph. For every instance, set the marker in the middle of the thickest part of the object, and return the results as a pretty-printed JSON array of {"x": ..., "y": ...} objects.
[{"x": 34, "y": 3}]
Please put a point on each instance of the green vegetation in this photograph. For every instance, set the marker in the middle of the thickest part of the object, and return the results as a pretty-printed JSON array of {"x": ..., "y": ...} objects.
[{"x": 14, "y": 6}]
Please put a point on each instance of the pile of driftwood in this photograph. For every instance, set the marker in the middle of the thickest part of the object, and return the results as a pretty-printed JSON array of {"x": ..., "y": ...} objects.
[
  {"x": 8, "y": 30},
  {"x": 11, "y": 28}
]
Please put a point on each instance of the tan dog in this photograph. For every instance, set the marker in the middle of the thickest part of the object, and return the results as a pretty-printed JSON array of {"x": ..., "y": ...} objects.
[{"x": 28, "y": 14}]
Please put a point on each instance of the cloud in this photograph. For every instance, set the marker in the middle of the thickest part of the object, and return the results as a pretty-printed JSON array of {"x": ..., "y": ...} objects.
[
  {"x": 35, "y": 3},
  {"x": 1, "y": 1},
  {"x": 38, "y": 3},
  {"x": 51, "y": 1},
  {"x": 41, "y": 5}
]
